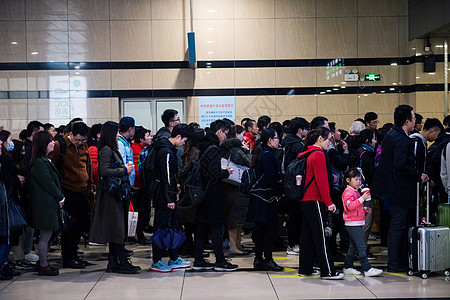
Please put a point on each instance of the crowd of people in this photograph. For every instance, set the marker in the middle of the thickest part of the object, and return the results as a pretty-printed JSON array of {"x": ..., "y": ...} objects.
[{"x": 89, "y": 178}]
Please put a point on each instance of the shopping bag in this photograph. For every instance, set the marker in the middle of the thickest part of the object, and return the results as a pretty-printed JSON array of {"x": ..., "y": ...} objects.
[
  {"x": 132, "y": 221},
  {"x": 238, "y": 170}
]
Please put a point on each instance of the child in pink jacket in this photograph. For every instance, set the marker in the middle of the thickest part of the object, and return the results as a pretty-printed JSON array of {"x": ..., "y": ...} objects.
[{"x": 354, "y": 217}]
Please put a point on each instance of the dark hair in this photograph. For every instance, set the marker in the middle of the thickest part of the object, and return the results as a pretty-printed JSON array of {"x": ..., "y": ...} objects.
[
  {"x": 244, "y": 120},
  {"x": 382, "y": 132},
  {"x": 266, "y": 133},
  {"x": 195, "y": 126},
  {"x": 108, "y": 135},
  {"x": 332, "y": 126},
  {"x": 139, "y": 134},
  {"x": 360, "y": 120},
  {"x": 168, "y": 116},
  {"x": 40, "y": 142},
  {"x": 229, "y": 121},
  {"x": 95, "y": 130},
  {"x": 4, "y": 135},
  {"x": 218, "y": 125},
  {"x": 297, "y": 123},
  {"x": 318, "y": 122},
  {"x": 80, "y": 128},
  {"x": 402, "y": 113},
  {"x": 446, "y": 121},
  {"x": 278, "y": 128},
  {"x": 344, "y": 134},
  {"x": 286, "y": 123},
  {"x": 17, "y": 155},
  {"x": 370, "y": 116},
  {"x": 314, "y": 134},
  {"x": 432, "y": 123},
  {"x": 47, "y": 126},
  {"x": 182, "y": 129},
  {"x": 351, "y": 173},
  {"x": 364, "y": 136},
  {"x": 69, "y": 126},
  {"x": 239, "y": 129},
  {"x": 33, "y": 126},
  {"x": 263, "y": 121},
  {"x": 23, "y": 134},
  {"x": 419, "y": 118},
  {"x": 248, "y": 124}
]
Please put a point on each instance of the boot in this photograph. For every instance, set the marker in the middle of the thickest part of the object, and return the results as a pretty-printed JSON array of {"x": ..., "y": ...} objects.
[
  {"x": 124, "y": 265},
  {"x": 233, "y": 248},
  {"x": 113, "y": 264}
]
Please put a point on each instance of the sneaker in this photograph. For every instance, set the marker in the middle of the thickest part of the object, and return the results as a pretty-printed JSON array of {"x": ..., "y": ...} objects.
[
  {"x": 370, "y": 255},
  {"x": 161, "y": 267},
  {"x": 225, "y": 266},
  {"x": 293, "y": 250},
  {"x": 372, "y": 237},
  {"x": 179, "y": 263},
  {"x": 202, "y": 265},
  {"x": 372, "y": 272},
  {"x": 314, "y": 273},
  {"x": 96, "y": 244},
  {"x": 336, "y": 276},
  {"x": 23, "y": 264},
  {"x": 32, "y": 256},
  {"x": 351, "y": 271}
]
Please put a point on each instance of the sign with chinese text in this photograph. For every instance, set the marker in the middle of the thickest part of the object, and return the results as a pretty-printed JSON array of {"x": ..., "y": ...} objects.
[{"x": 214, "y": 108}]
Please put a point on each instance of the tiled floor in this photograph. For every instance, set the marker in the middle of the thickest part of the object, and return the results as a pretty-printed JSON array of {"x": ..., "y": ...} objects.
[{"x": 95, "y": 283}]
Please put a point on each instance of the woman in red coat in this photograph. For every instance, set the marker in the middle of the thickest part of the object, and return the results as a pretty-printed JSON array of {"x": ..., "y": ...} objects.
[{"x": 316, "y": 197}]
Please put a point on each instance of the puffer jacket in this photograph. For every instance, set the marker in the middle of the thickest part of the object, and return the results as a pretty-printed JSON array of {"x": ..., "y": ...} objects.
[{"x": 354, "y": 214}]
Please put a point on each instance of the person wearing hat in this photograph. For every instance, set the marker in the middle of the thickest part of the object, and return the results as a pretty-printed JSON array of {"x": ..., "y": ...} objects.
[{"x": 126, "y": 133}]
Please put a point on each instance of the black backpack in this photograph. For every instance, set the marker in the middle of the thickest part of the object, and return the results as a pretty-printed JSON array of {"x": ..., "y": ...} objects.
[
  {"x": 148, "y": 173},
  {"x": 193, "y": 190},
  {"x": 249, "y": 181},
  {"x": 293, "y": 191}
]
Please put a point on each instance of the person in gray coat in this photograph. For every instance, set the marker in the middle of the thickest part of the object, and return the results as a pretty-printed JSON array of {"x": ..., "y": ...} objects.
[{"x": 108, "y": 224}]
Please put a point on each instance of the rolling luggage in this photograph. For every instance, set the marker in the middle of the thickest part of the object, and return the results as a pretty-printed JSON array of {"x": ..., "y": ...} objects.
[{"x": 429, "y": 245}]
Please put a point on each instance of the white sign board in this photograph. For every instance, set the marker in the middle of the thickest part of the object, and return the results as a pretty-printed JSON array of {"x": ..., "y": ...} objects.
[{"x": 211, "y": 109}]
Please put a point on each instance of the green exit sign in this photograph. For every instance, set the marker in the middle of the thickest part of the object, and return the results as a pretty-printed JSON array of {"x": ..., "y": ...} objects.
[{"x": 372, "y": 77}]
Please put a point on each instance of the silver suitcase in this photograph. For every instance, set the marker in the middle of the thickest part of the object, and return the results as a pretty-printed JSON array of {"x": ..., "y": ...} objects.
[{"x": 429, "y": 246}]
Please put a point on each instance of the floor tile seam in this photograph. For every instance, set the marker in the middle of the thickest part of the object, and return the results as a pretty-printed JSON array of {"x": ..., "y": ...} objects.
[
  {"x": 11, "y": 282},
  {"x": 182, "y": 284},
  {"x": 98, "y": 280},
  {"x": 360, "y": 281},
  {"x": 273, "y": 286}
]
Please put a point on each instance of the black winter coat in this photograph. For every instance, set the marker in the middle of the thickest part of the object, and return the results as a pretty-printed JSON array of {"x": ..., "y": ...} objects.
[
  {"x": 166, "y": 173},
  {"x": 396, "y": 177},
  {"x": 212, "y": 210},
  {"x": 260, "y": 210},
  {"x": 293, "y": 145}
]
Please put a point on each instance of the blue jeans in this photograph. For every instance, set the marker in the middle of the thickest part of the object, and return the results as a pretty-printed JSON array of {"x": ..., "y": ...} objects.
[
  {"x": 356, "y": 240},
  {"x": 4, "y": 253}
]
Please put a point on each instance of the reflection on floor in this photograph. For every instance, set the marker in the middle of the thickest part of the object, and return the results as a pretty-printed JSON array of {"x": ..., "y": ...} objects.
[{"x": 94, "y": 283}]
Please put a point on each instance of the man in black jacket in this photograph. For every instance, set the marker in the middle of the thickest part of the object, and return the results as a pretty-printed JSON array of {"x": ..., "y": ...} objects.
[
  {"x": 211, "y": 212},
  {"x": 167, "y": 194},
  {"x": 395, "y": 182}
]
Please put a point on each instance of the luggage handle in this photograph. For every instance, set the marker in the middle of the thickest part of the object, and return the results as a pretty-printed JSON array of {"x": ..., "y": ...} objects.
[{"x": 427, "y": 188}]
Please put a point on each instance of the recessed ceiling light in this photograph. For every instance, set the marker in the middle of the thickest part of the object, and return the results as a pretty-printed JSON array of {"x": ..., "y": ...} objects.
[
  {"x": 383, "y": 92},
  {"x": 77, "y": 73},
  {"x": 431, "y": 73},
  {"x": 77, "y": 67},
  {"x": 393, "y": 64},
  {"x": 392, "y": 89},
  {"x": 34, "y": 53},
  {"x": 13, "y": 43},
  {"x": 417, "y": 77},
  {"x": 210, "y": 52},
  {"x": 439, "y": 46}
]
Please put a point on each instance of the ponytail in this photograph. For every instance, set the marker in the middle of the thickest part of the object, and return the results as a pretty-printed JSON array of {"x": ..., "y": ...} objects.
[{"x": 313, "y": 135}]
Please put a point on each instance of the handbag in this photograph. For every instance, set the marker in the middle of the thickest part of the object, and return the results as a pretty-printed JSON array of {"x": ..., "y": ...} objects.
[
  {"x": 238, "y": 170},
  {"x": 16, "y": 216},
  {"x": 65, "y": 220},
  {"x": 132, "y": 221},
  {"x": 116, "y": 186}
]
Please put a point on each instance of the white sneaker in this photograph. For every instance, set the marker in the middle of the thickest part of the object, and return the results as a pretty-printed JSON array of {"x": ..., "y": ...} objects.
[
  {"x": 293, "y": 251},
  {"x": 373, "y": 272},
  {"x": 351, "y": 271},
  {"x": 32, "y": 256}
]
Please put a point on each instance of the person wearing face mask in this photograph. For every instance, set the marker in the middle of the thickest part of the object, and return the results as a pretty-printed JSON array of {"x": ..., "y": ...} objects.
[
  {"x": 263, "y": 206},
  {"x": 312, "y": 242}
]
